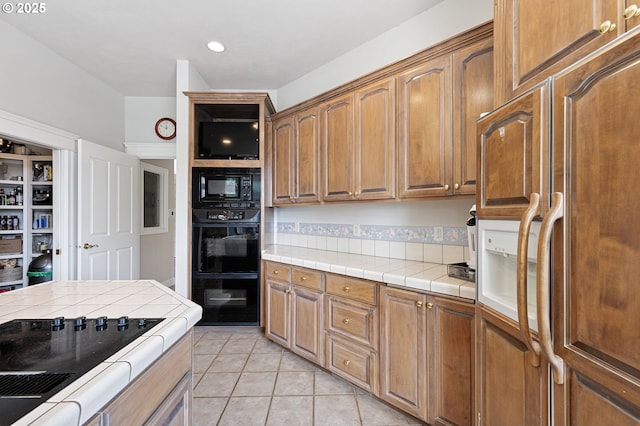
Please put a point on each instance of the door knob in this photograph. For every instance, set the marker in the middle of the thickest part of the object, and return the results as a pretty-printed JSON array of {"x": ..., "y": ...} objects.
[{"x": 87, "y": 246}]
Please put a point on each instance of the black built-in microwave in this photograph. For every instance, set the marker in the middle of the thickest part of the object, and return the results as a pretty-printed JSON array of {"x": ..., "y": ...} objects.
[{"x": 226, "y": 187}]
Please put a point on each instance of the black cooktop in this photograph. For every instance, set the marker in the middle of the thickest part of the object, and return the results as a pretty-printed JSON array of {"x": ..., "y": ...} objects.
[{"x": 39, "y": 357}]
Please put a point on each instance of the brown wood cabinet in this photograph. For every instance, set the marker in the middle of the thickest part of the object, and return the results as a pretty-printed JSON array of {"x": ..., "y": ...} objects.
[
  {"x": 404, "y": 374},
  {"x": 295, "y": 309},
  {"x": 535, "y": 39},
  {"x": 513, "y": 159},
  {"x": 351, "y": 326},
  {"x": 438, "y": 104},
  {"x": 595, "y": 245},
  {"x": 451, "y": 345},
  {"x": 511, "y": 390},
  {"x": 296, "y": 158},
  {"x": 161, "y": 395},
  {"x": 358, "y": 140},
  {"x": 427, "y": 356}
]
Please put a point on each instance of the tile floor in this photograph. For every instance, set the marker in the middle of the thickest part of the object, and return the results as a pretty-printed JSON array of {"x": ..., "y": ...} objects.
[{"x": 242, "y": 378}]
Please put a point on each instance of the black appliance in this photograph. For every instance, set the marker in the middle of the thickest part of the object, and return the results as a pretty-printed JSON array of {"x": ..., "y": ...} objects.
[
  {"x": 229, "y": 139},
  {"x": 40, "y": 357},
  {"x": 226, "y": 187},
  {"x": 226, "y": 265}
]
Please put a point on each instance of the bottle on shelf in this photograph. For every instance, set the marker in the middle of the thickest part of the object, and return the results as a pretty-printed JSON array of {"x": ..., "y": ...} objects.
[
  {"x": 19, "y": 198},
  {"x": 11, "y": 200}
]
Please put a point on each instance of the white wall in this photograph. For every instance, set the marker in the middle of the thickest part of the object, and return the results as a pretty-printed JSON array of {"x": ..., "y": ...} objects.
[
  {"x": 443, "y": 21},
  {"x": 40, "y": 85},
  {"x": 141, "y": 115}
]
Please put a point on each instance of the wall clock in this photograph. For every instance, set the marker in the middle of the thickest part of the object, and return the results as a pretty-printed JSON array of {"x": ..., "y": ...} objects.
[{"x": 166, "y": 128}]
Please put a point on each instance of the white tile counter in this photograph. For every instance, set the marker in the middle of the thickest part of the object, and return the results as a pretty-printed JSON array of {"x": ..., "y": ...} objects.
[
  {"x": 403, "y": 273},
  {"x": 79, "y": 401}
]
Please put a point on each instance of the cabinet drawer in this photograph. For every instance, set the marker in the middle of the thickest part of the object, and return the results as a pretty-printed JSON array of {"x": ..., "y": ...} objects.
[
  {"x": 353, "y": 320},
  {"x": 278, "y": 271},
  {"x": 355, "y": 363},
  {"x": 307, "y": 278},
  {"x": 364, "y": 291}
]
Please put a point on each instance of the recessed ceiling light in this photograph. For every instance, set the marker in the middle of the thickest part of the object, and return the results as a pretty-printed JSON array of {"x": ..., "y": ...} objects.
[{"x": 216, "y": 46}]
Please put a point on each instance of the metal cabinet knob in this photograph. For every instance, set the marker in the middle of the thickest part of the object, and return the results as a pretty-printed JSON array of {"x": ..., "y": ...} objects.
[
  {"x": 419, "y": 304},
  {"x": 446, "y": 187},
  {"x": 429, "y": 305},
  {"x": 631, "y": 11},
  {"x": 607, "y": 26},
  {"x": 456, "y": 186},
  {"x": 276, "y": 272},
  {"x": 347, "y": 362},
  {"x": 346, "y": 289},
  {"x": 303, "y": 278},
  {"x": 346, "y": 321}
]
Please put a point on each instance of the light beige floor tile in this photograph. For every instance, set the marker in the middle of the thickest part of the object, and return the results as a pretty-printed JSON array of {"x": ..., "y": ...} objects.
[
  {"x": 207, "y": 411},
  {"x": 266, "y": 346},
  {"x": 291, "y": 362},
  {"x": 208, "y": 347},
  {"x": 263, "y": 362},
  {"x": 238, "y": 346},
  {"x": 294, "y": 383},
  {"x": 255, "y": 384},
  {"x": 202, "y": 362},
  {"x": 374, "y": 412},
  {"x": 291, "y": 411},
  {"x": 228, "y": 363},
  {"x": 336, "y": 410},
  {"x": 216, "y": 384},
  {"x": 327, "y": 384},
  {"x": 245, "y": 412}
]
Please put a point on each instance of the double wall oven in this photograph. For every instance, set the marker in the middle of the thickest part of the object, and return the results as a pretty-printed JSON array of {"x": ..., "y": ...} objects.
[{"x": 226, "y": 245}]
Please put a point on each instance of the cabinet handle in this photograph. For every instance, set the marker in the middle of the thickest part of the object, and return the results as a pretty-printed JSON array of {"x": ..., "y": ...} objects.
[
  {"x": 347, "y": 362},
  {"x": 350, "y": 194},
  {"x": 521, "y": 277},
  {"x": 346, "y": 321},
  {"x": 542, "y": 277},
  {"x": 355, "y": 194},
  {"x": 607, "y": 26},
  {"x": 446, "y": 187},
  {"x": 346, "y": 289},
  {"x": 303, "y": 278},
  {"x": 276, "y": 272},
  {"x": 289, "y": 291},
  {"x": 456, "y": 186},
  {"x": 631, "y": 11},
  {"x": 429, "y": 305},
  {"x": 419, "y": 304}
]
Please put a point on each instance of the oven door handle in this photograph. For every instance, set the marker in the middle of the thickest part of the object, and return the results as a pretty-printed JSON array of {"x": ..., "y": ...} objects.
[
  {"x": 544, "y": 326},
  {"x": 521, "y": 277}
]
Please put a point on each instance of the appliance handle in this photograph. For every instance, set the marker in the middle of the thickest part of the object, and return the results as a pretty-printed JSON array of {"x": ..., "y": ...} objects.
[
  {"x": 544, "y": 326},
  {"x": 521, "y": 278}
]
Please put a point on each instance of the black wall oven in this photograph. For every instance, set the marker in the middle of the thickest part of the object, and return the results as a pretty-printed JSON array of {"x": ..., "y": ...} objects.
[{"x": 226, "y": 255}]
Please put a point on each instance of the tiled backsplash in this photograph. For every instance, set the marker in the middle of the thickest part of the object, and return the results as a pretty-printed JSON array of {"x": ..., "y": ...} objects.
[{"x": 438, "y": 244}]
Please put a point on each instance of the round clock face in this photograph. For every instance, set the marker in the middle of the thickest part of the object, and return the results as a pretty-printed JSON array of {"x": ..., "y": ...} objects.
[{"x": 166, "y": 128}]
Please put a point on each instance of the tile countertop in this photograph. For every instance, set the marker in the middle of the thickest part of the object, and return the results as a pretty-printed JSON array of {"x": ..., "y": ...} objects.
[
  {"x": 79, "y": 401},
  {"x": 411, "y": 274}
]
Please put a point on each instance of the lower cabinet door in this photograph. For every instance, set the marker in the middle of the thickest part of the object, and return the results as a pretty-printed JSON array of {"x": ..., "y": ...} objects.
[
  {"x": 403, "y": 350},
  {"x": 511, "y": 390},
  {"x": 306, "y": 335},
  {"x": 278, "y": 327}
]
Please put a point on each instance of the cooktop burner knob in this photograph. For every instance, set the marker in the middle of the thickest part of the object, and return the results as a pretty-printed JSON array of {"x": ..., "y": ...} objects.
[
  {"x": 101, "y": 323},
  {"x": 80, "y": 321},
  {"x": 142, "y": 323},
  {"x": 123, "y": 320},
  {"x": 57, "y": 322}
]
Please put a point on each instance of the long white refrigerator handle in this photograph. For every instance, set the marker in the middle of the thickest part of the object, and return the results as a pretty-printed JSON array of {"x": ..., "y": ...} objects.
[{"x": 544, "y": 324}]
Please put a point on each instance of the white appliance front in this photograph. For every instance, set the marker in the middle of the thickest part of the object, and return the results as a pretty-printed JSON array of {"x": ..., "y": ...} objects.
[{"x": 497, "y": 267}]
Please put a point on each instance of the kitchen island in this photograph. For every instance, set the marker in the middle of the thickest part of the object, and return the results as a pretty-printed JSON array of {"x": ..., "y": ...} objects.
[{"x": 128, "y": 372}]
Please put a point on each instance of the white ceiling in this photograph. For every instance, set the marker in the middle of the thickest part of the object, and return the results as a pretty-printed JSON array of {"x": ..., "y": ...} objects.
[{"x": 133, "y": 45}]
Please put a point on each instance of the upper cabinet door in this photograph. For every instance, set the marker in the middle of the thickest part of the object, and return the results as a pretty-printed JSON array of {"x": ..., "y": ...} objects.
[
  {"x": 536, "y": 38},
  {"x": 307, "y": 185},
  {"x": 283, "y": 161},
  {"x": 513, "y": 155},
  {"x": 375, "y": 141},
  {"x": 424, "y": 129},
  {"x": 472, "y": 95},
  {"x": 337, "y": 144}
]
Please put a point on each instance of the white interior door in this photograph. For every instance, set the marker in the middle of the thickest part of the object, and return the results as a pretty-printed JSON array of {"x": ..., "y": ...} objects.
[{"x": 108, "y": 213}]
